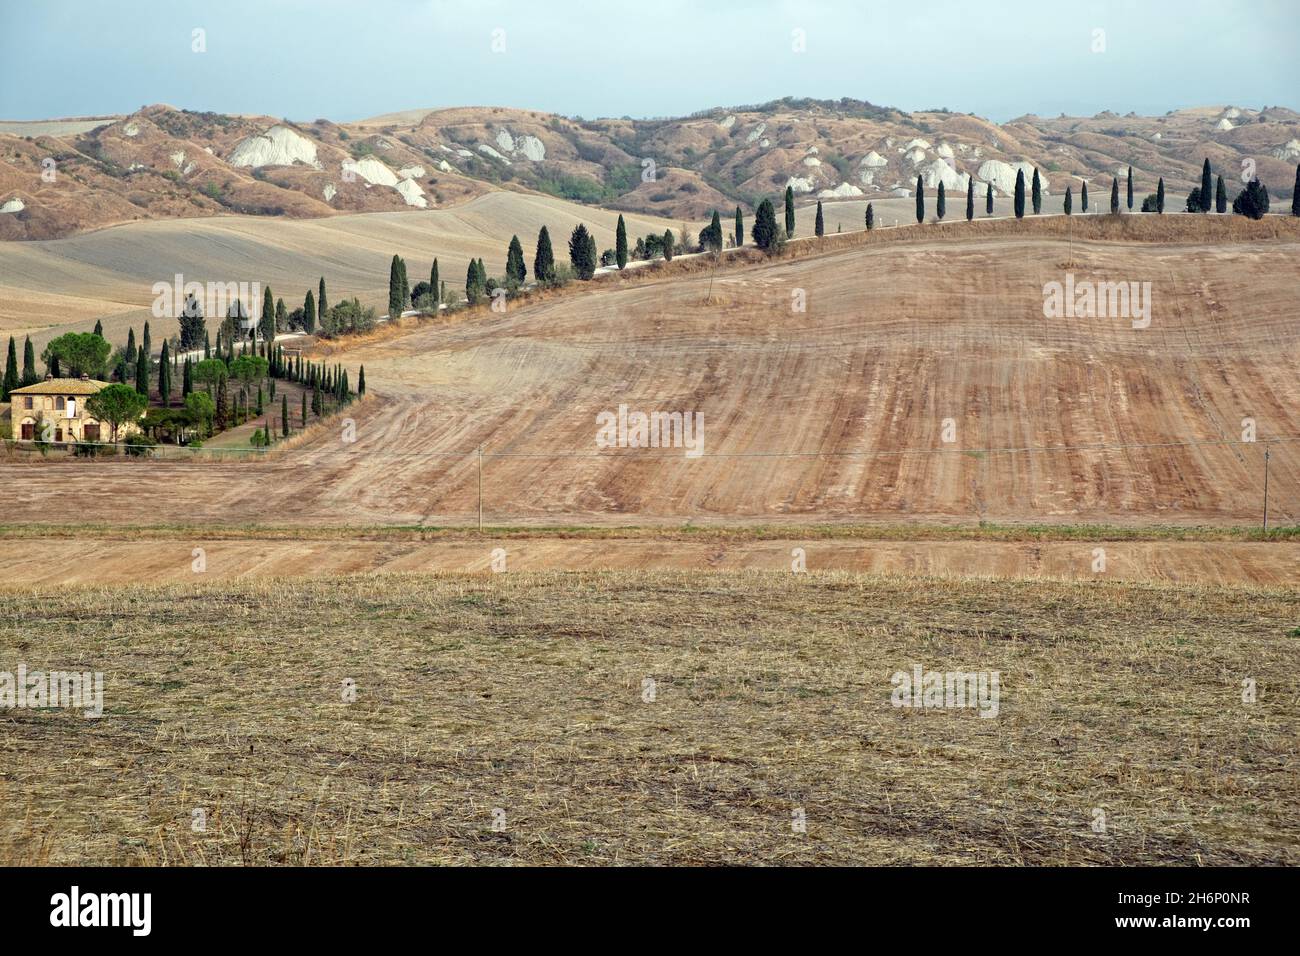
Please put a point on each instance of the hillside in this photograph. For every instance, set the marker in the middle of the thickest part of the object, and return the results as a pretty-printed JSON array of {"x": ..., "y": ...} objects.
[
  {"x": 164, "y": 163},
  {"x": 834, "y": 414}
]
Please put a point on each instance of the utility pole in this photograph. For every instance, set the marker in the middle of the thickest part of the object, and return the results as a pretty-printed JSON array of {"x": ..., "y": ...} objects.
[
  {"x": 480, "y": 487},
  {"x": 1266, "y": 488}
]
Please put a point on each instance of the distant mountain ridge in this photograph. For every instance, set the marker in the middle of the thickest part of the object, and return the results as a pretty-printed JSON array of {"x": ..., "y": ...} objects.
[{"x": 58, "y": 178}]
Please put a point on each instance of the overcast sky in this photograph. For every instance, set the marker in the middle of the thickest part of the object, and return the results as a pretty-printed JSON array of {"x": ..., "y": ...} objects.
[{"x": 304, "y": 59}]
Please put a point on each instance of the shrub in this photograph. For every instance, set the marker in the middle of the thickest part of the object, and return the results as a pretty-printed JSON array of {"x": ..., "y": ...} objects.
[{"x": 138, "y": 444}]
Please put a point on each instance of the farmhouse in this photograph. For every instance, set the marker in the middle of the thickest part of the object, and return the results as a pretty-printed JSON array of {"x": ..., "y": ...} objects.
[{"x": 60, "y": 402}]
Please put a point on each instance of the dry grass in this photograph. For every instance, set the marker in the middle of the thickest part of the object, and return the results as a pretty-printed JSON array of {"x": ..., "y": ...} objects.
[{"x": 524, "y": 692}]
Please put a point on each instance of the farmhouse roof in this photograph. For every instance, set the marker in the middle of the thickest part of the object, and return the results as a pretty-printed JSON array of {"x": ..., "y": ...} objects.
[{"x": 62, "y": 386}]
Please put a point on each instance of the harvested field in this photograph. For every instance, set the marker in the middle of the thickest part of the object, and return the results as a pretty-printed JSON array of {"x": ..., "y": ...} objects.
[
  {"x": 522, "y": 700},
  {"x": 87, "y": 560},
  {"x": 836, "y": 414}
]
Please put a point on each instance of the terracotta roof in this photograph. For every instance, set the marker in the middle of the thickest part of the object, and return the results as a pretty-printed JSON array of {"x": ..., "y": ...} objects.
[{"x": 62, "y": 386}]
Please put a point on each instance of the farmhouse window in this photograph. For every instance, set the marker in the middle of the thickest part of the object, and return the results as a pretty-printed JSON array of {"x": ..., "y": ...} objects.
[
  {"x": 27, "y": 401},
  {"x": 92, "y": 432},
  {"x": 58, "y": 403}
]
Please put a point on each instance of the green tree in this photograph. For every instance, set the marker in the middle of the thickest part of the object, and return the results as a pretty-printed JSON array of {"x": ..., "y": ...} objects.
[
  {"x": 322, "y": 305},
  {"x": 165, "y": 376},
  {"x": 516, "y": 271},
  {"x": 819, "y": 224},
  {"x": 764, "y": 229},
  {"x": 267, "y": 323},
  {"x": 361, "y": 381},
  {"x": 1037, "y": 193},
  {"x": 1069, "y": 201},
  {"x": 201, "y": 411},
  {"x": 711, "y": 235},
  {"x": 146, "y": 342},
  {"x": 304, "y": 409},
  {"x": 582, "y": 252},
  {"x": 142, "y": 373},
  {"x": 117, "y": 405},
  {"x": 187, "y": 379},
  {"x": 223, "y": 403},
  {"x": 99, "y": 328},
  {"x": 789, "y": 212},
  {"x": 1160, "y": 196},
  {"x": 193, "y": 324},
  {"x": 970, "y": 201},
  {"x": 395, "y": 297},
  {"x": 1252, "y": 201},
  {"x": 1221, "y": 195},
  {"x": 474, "y": 291},
  {"x": 130, "y": 346},
  {"x": 871, "y": 217},
  {"x": 309, "y": 313},
  {"x": 1083, "y": 197},
  {"x": 11, "y": 369},
  {"x": 740, "y": 220},
  {"x": 434, "y": 285},
  {"x": 988, "y": 200},
  {"x": 620, "y": 243},
  {"x": 668, "y": 245},
  {"x": 1114, "y": 195},
  {"x": 920, "y": 199},
  {"x": 941, "y": 203},
  {"x": 284, "y": 416},
  {"x": 1295, "y": 193},
  {"x": 544, "y": 259},
  {"x": 77, "y": 354},
  {"x": 209, "y": 372},
  {"x": 1020, "y": 194},
  {"x": 1130, "y": 189},
  {"x": 29, "y": 376},
  {"x": 1206, "y": 183}
]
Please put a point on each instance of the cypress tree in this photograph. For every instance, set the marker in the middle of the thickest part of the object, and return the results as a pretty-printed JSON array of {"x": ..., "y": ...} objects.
[
  {"x": 284, "y": 416},
  {"x": 130, "y": 346},
  {"x": 165, "y": 377},
  {"x": 1083, "y": 196},
  {"x": 259, "y": 400},
  {"x": 740, "y": 221},
  {"x": 582, "y": 252},
  {"x": 321, "y": 304},
  {"x": 268, "y": 317},
  {"x": 764, "y": 229},
  {"x": 29, "y": 363},
  {"x": 1295, "y": 194},
  {"x": 871, "y": 217},
  {"x": 1205, "y": 185},
  {"x": 223, "y": 404},
  {"x": 187, "y": 379},
  {"x": 1114, "y": 195},
  {"x": 433, "y": 282},
  {"x": 544, "y": 259},
  {"x": 473, "y": 290},
  {"x": 920, "y": 199},
  {"x": 146, "y": 342},
  {"x": 1069, "y": 201},
  {"x": 207, "y": 345},
  {"x": 1221, "y": 195},
  {"x": 620, "y": 243},
  {"x": 11, "y": 369},
  {"x": 304, "y": 409},
  {"x": 970, "y": 201},
  {"x": 1020, "y": 194},
  {"x": 142, "y": 373},
  {"x": 1130, "y": 189},
  {"x": 99, "y": 328},
  {"x": 940, "y": 203},
  {"x": 1037, "y": 193},
  {"x": 988, "y": 200},
  {"x": 789, "y": 212},
  {"x": 819, "y": 225},
  {"x": 309, "y": 313},
  {"x": 515, "y": 268},
  {"x": 715, "y": 233},
  {"x": 395, "y": 289},
  {"x": 1160, "y": 196},
  {"x": 361, "y": 381},
  {"x": 406, "y": 287}
]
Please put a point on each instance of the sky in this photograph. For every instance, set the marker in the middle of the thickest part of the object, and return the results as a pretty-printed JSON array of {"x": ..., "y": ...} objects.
[{"x": 304, "y": 59}]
